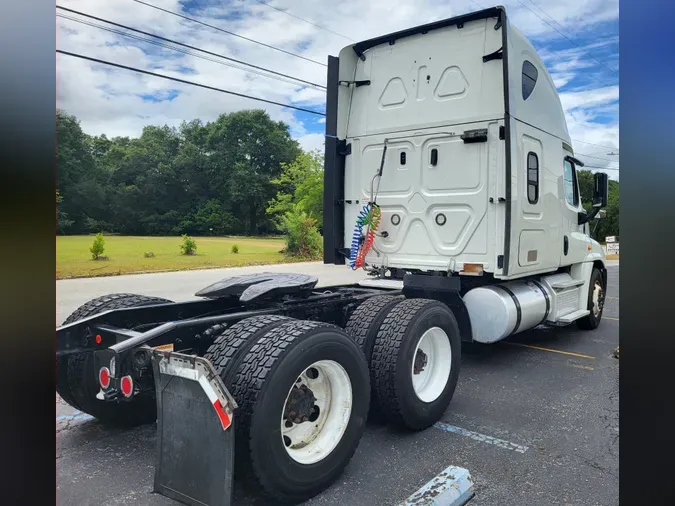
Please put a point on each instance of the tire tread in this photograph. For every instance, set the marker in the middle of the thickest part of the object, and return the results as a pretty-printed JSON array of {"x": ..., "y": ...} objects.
[
  {"x": 253, "y": 373},
  {"x": 384, "y": 361}
]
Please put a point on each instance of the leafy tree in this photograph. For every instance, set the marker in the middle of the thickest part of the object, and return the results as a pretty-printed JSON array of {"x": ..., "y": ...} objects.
[
  {"x": 199, "y": 178},
  {"x": 188, "y": 246},
  {"x": 62, "y": 221},
  {"x": 301, "y": 184},
  {"x": 98, "y": 246},
  {"x": 249, "y": 148},
  {"x": 302, "y": 237},
  {"x": 79, "y": 178}
]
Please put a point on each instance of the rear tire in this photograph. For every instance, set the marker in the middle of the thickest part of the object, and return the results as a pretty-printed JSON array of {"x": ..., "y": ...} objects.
[
  {"x": 76, "y": 381},
  {"x": 364, "y": 323},
  {"x": 363, "y": 326},
  {"x": 596, "y": 302},
  {"x": 269, "y": 372},
  {"x": 231, "y": 346},
  {"x": 415, "y": 363}
]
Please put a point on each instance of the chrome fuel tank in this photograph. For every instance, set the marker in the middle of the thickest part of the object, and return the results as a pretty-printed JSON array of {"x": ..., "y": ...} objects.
[{"x": 498, "y": 311}]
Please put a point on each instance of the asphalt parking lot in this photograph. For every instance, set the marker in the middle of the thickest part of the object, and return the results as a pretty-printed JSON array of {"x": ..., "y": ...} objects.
[{"x": 534, "y": 419}]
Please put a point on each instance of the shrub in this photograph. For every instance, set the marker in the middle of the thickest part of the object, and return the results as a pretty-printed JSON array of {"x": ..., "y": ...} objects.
[
  {"x": 98, "y": 247},
  {"x": 188, "y": 246},
  {"x": 302, "y": 236},
  {"x": 149, "y": 255},
  {"x": 235, "y": 249}
]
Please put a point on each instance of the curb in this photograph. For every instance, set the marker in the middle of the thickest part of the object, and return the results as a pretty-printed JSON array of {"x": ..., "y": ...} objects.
[{"x": 452, "y": 487}]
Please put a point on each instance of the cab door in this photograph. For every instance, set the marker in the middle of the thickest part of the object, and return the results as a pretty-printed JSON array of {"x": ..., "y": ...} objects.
[{"x": 575, "y": 240}]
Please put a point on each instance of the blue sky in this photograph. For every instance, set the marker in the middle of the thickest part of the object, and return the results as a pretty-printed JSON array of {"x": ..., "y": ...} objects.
[{"x": 578, "y": 41}]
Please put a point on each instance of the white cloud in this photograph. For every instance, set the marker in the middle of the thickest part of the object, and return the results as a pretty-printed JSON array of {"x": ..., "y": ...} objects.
[
  {"x": 110, "y": 100},
  {"x": 311, "y": 142},
  {"x": 589, "y": 98}
]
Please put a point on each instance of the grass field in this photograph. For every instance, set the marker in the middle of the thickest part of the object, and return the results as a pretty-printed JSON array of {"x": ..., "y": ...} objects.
[{"x": 125, "y": 254}]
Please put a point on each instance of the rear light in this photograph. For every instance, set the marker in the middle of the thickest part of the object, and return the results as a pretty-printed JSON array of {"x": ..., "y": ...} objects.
[
  {"x": 127, "y": 386},
  {"x": 104, "y": 377}
]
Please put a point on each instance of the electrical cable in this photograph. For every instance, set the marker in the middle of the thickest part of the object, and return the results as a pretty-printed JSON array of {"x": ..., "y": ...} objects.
[
  {"x": 305, "y": 20},
  {"x": 191, "y": 83},
  {"x": 229, "y": 33},
  {"x": 184, "y": 51},
  {"x": 570, "y": 40},
  {"x": 316, "y": 85}
]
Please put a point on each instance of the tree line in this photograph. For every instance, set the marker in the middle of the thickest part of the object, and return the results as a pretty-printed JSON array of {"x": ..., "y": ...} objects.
[
  {"x": 215, "y": 178},
  {"x": 242, "y": 174}
]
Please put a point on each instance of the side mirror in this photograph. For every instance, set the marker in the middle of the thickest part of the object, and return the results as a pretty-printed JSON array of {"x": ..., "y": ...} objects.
[
  {"x": 600, "y": 189},
  {"x": 600, "y": 197},
  {"x": 601, "y": 214}
]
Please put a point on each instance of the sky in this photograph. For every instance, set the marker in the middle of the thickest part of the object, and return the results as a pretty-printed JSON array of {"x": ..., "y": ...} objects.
[{"x": 577, "y": 39}]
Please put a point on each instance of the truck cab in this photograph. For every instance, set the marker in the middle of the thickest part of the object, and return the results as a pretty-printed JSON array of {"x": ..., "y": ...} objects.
[{"x": 455, "y": 132}]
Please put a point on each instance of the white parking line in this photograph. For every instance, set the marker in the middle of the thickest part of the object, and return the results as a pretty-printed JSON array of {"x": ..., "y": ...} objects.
[
  {"x": 507, "y": 445},
  {"x": 77, "y": 415},
  {"x": 452, "y": 487}
]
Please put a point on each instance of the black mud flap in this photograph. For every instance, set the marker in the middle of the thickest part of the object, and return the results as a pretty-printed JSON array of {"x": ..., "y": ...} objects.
[{"x": 195, "y": 431}]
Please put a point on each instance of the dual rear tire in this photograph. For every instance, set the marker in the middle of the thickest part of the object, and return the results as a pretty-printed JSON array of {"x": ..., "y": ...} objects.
[
  {"x": 303, "y": 393},
  {"x": 413, "y": 348},
  {"x": 304, "y": 388}
]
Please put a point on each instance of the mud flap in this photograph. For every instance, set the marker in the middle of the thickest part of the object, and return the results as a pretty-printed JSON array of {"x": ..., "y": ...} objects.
[{"x": 195, "y": 431}]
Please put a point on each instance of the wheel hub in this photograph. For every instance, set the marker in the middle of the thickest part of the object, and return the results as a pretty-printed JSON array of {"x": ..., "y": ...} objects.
[
  {"x": 420, "y": 363},
  {"x": 316, "y": 412},
  {"x": 431, "y": 364},
  {"x": 598, "y": 298},
  {"x": 300, "y": 405}
]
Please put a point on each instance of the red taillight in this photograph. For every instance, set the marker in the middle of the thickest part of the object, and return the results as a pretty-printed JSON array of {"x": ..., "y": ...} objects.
[
  {"x": 104, "y": 377},
  {"x": 127, "y": 386},
  {"x": 98, "y": 338}
]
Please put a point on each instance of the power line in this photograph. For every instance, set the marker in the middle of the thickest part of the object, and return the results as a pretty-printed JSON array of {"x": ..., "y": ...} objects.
[
  {"x": 596, "y": 167},
  {"x": 591, "y": 144},
  {"x": 182, "y": 44},
  {"x": 561, "y": 33},
  {"x": 167, "y": 46},
  {"x": 597, "y": 157},
  {"x": 191, "y": 83},
  {"x": 546, "y": 13},
  {"x": 305, "y": 20},
  {"x": 229, "y": 33},
  {"x": 177, "y": 49}
]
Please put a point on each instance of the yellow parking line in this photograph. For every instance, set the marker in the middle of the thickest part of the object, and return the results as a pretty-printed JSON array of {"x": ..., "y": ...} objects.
[{"x": 551, "y": 350}]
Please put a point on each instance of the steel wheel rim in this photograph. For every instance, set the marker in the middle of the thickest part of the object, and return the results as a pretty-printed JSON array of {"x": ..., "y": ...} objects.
[
  {"x": 309, "y": 437},
  {"x": 431, "y": 365}
]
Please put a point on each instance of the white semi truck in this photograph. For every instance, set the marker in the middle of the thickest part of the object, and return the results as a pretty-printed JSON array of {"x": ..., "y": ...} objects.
[
  {"x": 451, "y": 178},
  {"x": 455, "y": 135}
]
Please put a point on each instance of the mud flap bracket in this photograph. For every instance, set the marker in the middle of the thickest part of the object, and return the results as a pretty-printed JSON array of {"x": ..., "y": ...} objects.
[{"x": 195, "y": 431}]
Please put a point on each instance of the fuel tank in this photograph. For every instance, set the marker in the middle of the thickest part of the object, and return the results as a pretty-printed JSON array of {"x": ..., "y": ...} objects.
[{"x": 498, "y": 311}]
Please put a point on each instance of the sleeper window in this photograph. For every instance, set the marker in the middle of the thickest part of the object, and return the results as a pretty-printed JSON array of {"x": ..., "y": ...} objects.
[
  {"x": 530, "y": 74},
  {"x": 532, "y": 178}
]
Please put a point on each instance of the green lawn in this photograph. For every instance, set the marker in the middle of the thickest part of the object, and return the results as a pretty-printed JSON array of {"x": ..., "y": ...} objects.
[{"x": 126, "y": 254}]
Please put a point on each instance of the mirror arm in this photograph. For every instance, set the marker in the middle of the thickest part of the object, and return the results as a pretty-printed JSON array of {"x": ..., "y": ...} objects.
[
  {"x": 585, "y": 218},
  {"x": 594, "y": 229}
]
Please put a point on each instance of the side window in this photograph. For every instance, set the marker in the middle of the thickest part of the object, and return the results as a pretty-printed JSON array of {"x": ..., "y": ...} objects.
[
  {"x": 530, "y": 74},
  {"x": 532, "y": 178},
  {"x": 570, "y": 183}
]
